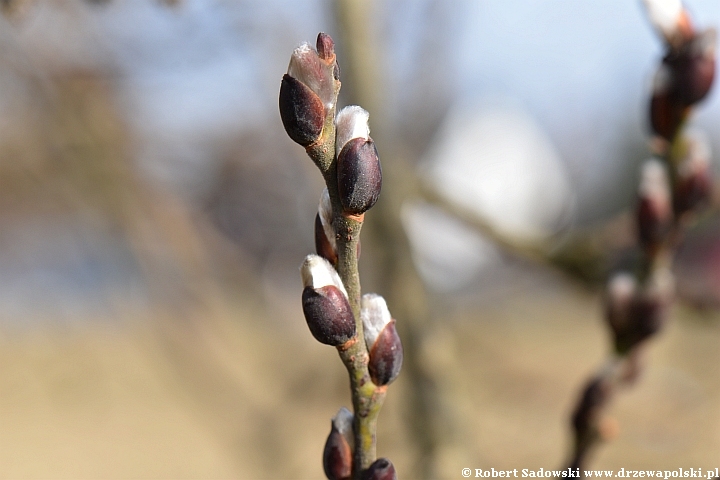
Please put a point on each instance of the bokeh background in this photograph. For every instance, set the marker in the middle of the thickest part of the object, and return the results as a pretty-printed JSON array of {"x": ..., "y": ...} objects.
[{"x": 153, "y": 216}]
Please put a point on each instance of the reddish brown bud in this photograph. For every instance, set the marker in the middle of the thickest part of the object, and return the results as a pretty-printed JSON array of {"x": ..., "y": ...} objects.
[
  {"x": 382, "y": 340},
  {"x": 325, "y": 303},
  {"x": 667, "y": 113},
  {"x": 359, "y": 176},
  {"x": 325, "y": 47},
  {"x": 337, "y": 454},
  {"x": 380, "y": 469},
  {"x": 301, "y": 110},
  {"x": 328, "y": 315}
]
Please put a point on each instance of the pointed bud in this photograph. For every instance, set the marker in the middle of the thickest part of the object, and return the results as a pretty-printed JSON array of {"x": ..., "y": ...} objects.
[
  {"x": 337, "y": 454},
  {"x": 382, "y": 340},
  {"x": 693, "y": 183},
  {"x": 308, "y": 91},
  {"x": 359, "y": 171},
  {"x": 325, "y": 303},
  {"x": 380, "y": 469},
  {"x": 654, "y": 214},
  {"x": 301, "y": 111},
  {"x": 326, "y": 51}
]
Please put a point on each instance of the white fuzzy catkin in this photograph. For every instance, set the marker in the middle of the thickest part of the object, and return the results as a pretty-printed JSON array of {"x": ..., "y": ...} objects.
[
  {"x": 654, "y": 181},
  {"x": 307, "y": 67},
  {"x": 316, "y": 272},
  {"x": 326, "y": 217},
  {"x": 375, "y": 315},
  {"x": 351, "y": 122}
]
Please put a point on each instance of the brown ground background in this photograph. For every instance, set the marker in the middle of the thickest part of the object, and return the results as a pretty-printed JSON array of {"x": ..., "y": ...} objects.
[{"x": 225, "y": 393}]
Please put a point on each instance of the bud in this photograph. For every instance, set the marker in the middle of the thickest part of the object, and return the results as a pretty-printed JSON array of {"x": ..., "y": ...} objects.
[
  {"x": 382, "y": 340},
  {"x": 654, "y": 214},
  {"x": 380, "y": 469},
  {"x": 650, "y": 307},
  {"x": 308, "y": 90},
  {"x": 670, "y": 19},
  {"x": 693, "y": 182},
  {"x": 337, "y": 454},
  {"x": 647, "y": 312},
  {"x": 692, "y": 67},
  {"x": 667, "y": 111},
  {"x": 325, "y": 302},
  {"x": 358, "y": 164},
  {"x": 325, "y": 244}
]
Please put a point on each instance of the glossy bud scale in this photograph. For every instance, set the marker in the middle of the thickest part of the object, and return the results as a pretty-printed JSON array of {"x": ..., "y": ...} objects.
[
  {"x": 382, "y": 340},
  {"x": 359, "y": 174},
  {"x": 325, "y": 303},
  {"x": 337, "y": 454},
  {"x": 301, "y": 111}
]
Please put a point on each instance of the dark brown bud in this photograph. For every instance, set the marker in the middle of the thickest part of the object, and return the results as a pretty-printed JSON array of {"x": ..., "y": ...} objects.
[
  {"x": 301, "y": 110},
  {"x": 325, "y": 303},
  {"x": 380, "y": 469},
  {"x": 337, "y": 454},
  {"x": 359, "y": 175},
  {"x": 326, "y": 51},
  {"x": 667, "y": 114},
  {"x": 328, "y": 315},
  {"x": 382, "y": 340},
  {"x": 693, "y": 68},
  {"x": 386, "y": 356}
]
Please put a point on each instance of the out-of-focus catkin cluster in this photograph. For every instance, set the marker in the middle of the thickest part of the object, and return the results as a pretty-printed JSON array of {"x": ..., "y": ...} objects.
[
  {"x": 675, "y": 186},
  {"x": 360, "y": 327}
]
